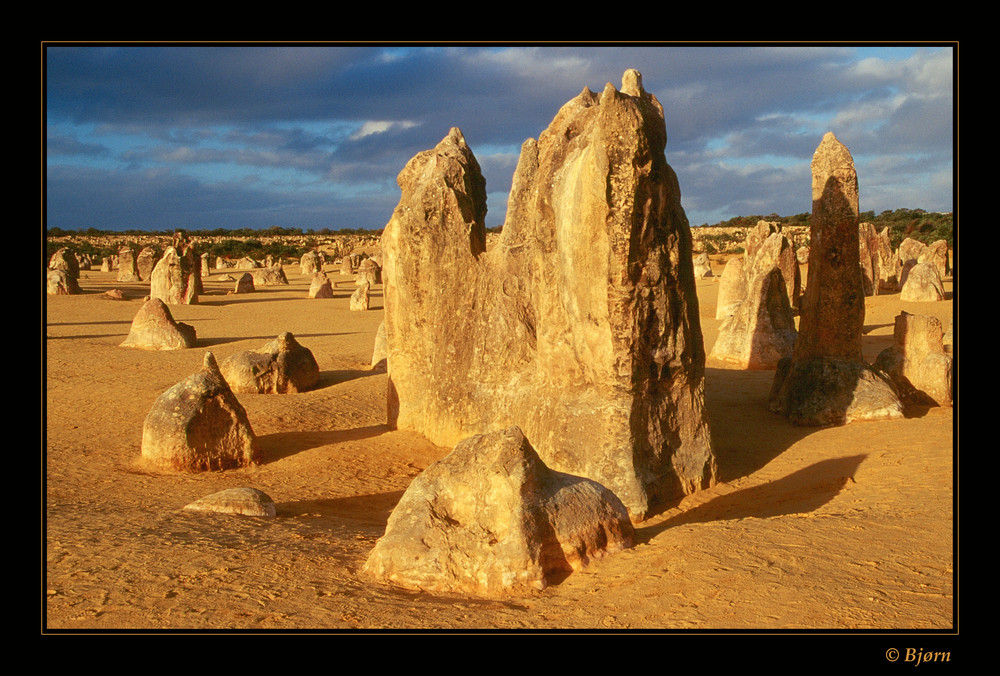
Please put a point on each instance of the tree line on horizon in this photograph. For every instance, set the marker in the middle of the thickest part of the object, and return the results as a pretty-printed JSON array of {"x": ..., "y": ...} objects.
[
  {"x": 923, "y": 226},
  {"x": 917, "y": 224}
]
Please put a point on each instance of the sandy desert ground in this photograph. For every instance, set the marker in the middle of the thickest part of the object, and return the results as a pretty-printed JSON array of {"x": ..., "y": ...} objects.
[{"x": 844, "y": 529}]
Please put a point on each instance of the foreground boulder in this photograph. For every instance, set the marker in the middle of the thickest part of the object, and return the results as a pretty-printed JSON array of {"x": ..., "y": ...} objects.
[
  {"x": 826, "y": 380},
  {"x": 919, "y": 362},
  {"x": 580, "y": 326},
  {"x": 280, "y": 367},
  {"x": 246, "y": 501},
  {"x": 199, "y": 425},
  {"x": 154, "y": 328},
  {"x": 490, "y": 518}
]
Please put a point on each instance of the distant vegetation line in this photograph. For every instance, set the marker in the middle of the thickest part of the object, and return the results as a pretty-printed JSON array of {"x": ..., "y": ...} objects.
[
  {"x": 923, "y": 226},
  {"x": 917, "y": 224}
]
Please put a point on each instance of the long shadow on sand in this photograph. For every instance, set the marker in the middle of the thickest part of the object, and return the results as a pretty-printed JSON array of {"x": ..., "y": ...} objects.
[
  {"x": 284, "y": 444},
  {"x": 746, "y": 436},
  {"x": 800, "y": 492}
]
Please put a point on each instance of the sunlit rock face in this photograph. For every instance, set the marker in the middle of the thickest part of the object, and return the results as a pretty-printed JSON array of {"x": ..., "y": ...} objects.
[
  {"x": 490, "y": 518},
  {"x": 580, "y": 326}
]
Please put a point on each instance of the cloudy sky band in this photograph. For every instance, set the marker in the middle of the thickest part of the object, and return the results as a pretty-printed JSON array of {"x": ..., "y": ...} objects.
[{"x": 162, "y": 137}]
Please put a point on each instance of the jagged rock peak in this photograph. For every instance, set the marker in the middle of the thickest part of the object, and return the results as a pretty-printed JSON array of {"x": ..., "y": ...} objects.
[{"x": 632, "y": 83}]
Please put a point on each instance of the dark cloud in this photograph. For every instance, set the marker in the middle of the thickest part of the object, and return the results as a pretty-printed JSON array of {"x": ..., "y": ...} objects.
[{"x": 319, "y": 133}]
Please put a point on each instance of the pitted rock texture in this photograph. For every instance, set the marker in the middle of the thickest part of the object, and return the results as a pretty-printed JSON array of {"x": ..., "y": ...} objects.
[
  {"x": 490, "y": 518},
  {"x": 281, "y": 366},
  {"x": 826, "y": 380},
  {"x": 580, "y": 326},
  {"x": 199, "y": 425}
]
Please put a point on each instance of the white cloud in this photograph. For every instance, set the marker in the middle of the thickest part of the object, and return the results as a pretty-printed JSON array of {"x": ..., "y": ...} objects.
[{"x": 380, "y": 126}]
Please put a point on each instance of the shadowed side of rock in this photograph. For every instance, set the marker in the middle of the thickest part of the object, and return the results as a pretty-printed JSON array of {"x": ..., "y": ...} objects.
[{"x": 826, "y": 380}]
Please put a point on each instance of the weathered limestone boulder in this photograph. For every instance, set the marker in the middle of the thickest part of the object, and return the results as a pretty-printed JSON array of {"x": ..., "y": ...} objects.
[
  {"x": 369, "y": 271},
  {"x": 114, "y": 294},
  {"x": 65, "y": 260},
  {"x": 702, "y": 266},
  {"x": 918, "y": 362},
  {"x": 154, "y": 328},
  {"x": 802, "y": 255},
  {"x": 756, "y": 237},
  {"x": 761, "y": 330},
  {"x": 245, "y": 284},
  {"x": 199, "y": 425},
  {"x": 876, "y": 259},
  {"x": 321, "y": 286},
  {"x": 176, "y": 278},
  {"x": 890, "y": 267},
  {"x": 910, "y": 250},
  {"x": 146, "y": 261},
  {"x": 127, "y": 270},
  {"x": 361, "y": 298},
  {"x": 107, "y": 264},
  {"x": 491, "y": 519},
  {"x": 281, "y": 366},
  {"x": 345, "y": 266},
  {"x": 206, "y": 268},
  {"x": 247, "y": 263},
  {"x": 922, "y": 284},
  {"x": 580, "y": 326},
  {"x": 246, "y": 501},
  {"x": 61, "y": 283},
  {"x": 222, "y": 264},
  {"x": 310, "y": 263},
  {"x": 936, "y": 255},
  {"x": 786, "y": 262},
  {"x": 826, "y": 380},
  {"x": 269, "y": 276},
  {"x": 732, "y": 288}
]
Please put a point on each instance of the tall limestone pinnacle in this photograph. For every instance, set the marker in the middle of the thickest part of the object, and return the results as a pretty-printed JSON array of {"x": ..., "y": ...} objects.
[
  {"x": 580, "y": 326},
  {"x": 826, "y": 380},
  {"x": 833, "y": 311}
]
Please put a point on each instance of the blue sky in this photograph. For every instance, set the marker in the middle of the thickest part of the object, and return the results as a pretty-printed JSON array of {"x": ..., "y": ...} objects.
[{"x": 313, "y": 136}]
